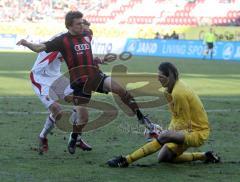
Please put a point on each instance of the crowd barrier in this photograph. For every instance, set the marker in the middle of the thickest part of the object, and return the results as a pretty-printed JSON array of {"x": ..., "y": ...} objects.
[
  {"x": 182, "y": 49},
  {"x": 99, "y": 45},
  {"x": 193, "y": 49}
]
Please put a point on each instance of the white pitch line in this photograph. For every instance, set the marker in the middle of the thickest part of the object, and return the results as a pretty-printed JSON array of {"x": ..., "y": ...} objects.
[
  {"x": 14, "y": 72},
  {"x": 222, "y": 99},
  {"x": 23, "y": 113},
  {"x": 158, "y": 110},
  {"x": 132, "y": 73},
  {"x": 222, "y": 110},
  {"x": 210, "y": 110},
  {"x": 202, "y": 98},
  {"x": 17, "y": 97}
]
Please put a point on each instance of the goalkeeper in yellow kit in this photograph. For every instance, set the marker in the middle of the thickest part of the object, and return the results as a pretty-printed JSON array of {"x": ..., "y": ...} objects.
[{"x": 189, "y": 125}]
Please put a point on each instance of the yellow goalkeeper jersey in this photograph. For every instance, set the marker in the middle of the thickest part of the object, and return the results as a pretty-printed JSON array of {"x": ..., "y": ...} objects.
[{"x": 187, "y": 109}]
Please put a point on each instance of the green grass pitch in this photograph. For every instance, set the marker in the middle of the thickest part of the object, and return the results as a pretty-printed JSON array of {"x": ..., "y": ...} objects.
[{"x": 21, "y": 119}]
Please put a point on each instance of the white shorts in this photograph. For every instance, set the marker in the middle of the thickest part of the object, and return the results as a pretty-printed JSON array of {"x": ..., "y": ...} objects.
[{"x": 45, "y": 88}]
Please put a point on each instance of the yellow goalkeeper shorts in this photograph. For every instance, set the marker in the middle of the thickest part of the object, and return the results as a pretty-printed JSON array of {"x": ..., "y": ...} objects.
[{"x": 192, "y": 139}]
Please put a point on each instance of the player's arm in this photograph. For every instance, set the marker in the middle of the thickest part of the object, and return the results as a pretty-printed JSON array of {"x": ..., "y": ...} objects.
[
  {"x": 49, "y": 46},
  {"x": 32, "y": 46}
]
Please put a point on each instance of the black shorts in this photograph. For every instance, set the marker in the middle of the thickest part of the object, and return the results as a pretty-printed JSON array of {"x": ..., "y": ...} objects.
[
  {"x": 210, "y": 45},
  {"x": 82, "y": 91}
]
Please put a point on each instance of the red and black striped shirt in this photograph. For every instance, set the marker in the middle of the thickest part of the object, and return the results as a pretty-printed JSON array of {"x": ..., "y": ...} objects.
[{"x": 77, "y": 53}]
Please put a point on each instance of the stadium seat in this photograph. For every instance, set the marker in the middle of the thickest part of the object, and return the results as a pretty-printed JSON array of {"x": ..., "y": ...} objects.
[{"x": 131, "y": 11}]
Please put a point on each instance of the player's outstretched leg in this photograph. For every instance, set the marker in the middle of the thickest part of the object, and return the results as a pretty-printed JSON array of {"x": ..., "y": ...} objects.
[
  {"x": 112, "y": 86},
  {"x": 147, "y": 149}
]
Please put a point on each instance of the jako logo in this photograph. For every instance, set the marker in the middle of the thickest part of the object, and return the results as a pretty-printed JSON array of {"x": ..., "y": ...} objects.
[
  {"x": 132, "y": 46},
  {"x": 228, "y": 51}
]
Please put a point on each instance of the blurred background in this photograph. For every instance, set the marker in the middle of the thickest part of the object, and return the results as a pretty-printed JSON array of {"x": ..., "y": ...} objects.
[
  {"x": 125, "y": 18},
  {"x": 114, "y": 22}
]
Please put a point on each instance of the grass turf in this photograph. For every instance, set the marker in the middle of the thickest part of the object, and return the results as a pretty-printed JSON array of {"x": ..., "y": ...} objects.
[{"x": 217, "y": 83}]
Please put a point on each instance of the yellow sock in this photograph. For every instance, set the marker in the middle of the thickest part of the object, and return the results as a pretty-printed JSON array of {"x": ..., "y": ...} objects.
[
  {"x": 145, "y": 150},
  {"x": 188, "y": 157}
]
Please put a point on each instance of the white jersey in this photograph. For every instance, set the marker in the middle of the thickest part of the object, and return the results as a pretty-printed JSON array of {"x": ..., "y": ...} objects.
[
  {"x": 45, "y": 72},
  {"x": 48, "y": 64}
]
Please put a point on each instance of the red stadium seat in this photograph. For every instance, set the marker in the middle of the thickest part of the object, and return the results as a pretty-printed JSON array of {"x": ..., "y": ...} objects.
[
  {"x": 111, "y": 11},
  {"x": 177, "y": 14}
]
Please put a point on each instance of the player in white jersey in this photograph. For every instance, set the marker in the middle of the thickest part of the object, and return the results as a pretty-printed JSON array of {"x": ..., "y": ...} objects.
[{"x": 46, "y": 70}]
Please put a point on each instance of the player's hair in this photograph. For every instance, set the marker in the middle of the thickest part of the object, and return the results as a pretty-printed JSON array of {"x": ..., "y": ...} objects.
[
  {"x": 167, "y": 67},
  {"x": 85, "y": 22},
  {"x": 70, "y": 16}
]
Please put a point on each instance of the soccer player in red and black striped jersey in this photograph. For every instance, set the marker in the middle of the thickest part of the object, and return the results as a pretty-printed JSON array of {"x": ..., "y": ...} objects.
[{"x": 85, "y": 76}]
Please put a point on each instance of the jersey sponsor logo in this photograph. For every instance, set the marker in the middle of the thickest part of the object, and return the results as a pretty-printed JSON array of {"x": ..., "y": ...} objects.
[
  {"x": 132, "y": 46},
  {"x": 81, "y": 47},
  {"x": 147, "y": 47}
]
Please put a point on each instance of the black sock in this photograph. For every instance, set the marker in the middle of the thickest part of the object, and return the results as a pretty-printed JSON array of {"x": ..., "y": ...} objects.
[
  {"x": 74, "y": 136},
  {"x": 139, "y": 114}
]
